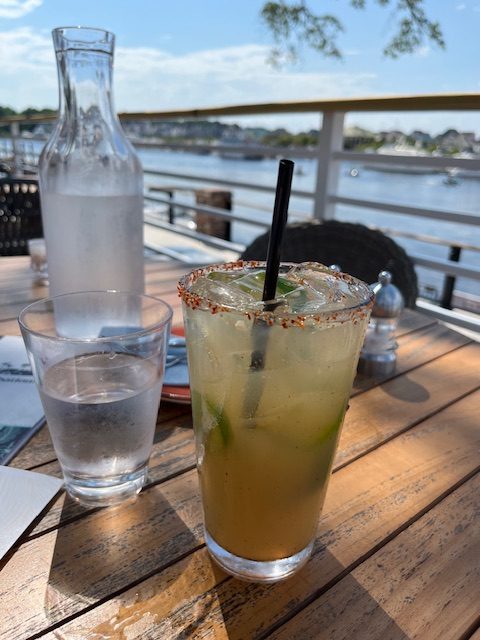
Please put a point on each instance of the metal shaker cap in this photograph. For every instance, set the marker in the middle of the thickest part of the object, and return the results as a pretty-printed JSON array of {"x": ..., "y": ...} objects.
[{"x": 389, "y": 301}]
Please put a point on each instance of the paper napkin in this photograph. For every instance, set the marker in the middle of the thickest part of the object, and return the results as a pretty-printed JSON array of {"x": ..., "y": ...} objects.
[{"x": 23, "y": 495}]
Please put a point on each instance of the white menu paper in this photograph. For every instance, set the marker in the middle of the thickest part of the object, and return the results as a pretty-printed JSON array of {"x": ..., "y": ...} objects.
[{"x": 21, "y": 411}]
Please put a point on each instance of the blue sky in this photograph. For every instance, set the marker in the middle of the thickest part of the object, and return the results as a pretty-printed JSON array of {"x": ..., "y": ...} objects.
[{"x": 191, "y": 53}]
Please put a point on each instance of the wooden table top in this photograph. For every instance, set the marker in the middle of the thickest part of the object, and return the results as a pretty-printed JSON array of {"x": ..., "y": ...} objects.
[{"x": 398, "y": 549}]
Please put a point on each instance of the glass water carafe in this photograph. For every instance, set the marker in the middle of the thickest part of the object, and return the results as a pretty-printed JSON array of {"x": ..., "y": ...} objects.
[{"x": 91, "y": 180}]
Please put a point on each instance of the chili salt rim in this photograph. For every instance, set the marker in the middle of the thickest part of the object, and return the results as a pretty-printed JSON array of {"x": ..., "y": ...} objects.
[{"x": 286, "y": 319}]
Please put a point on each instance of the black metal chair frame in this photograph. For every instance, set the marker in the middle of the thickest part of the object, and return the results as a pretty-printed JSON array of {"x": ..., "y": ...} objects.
[
  {"x": 20, "y": 215},
  {"x": 358, "y": 250}
]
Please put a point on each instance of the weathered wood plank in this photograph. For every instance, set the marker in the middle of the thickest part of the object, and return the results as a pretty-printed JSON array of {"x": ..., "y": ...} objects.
[
  {"x": 384, "y": 411},
  {"x": 38, "y": 451},
  {"x": 66, "y": 570},
  {"x": 17, "y": 286},
  {"x": 9, "y": 327},
  {"x": 143, "y": 613},
  {"x": 17, "y": 289},
  {"x": 172, "y": 453},
  {"x": 9, "y": 324},
  {"x": 14, "y": 269},
  {"x": 367, "y": 502},
  {"x": 167, "y": 270},
  {"x": 412, "y": 320},
  {"x": 424, "y": 584},
  {"x": 414, "y": 349},
  {"x": 370, "y": 420}
]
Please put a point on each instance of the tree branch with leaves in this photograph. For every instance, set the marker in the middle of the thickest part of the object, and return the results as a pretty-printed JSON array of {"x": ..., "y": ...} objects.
[{"x": 294, "y": 25}]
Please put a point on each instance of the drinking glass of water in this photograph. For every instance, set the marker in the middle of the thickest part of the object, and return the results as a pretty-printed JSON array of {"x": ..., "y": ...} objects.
[{"x": 98, "y": 359}]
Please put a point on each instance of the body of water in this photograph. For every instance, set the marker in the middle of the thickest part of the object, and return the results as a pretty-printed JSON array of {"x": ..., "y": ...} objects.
[{"x": 418, "y": 190}]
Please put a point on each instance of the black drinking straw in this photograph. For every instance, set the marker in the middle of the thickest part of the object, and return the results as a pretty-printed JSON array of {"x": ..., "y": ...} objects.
[
  {"x": 260, "y": 327},
  {"x": 279, "y": 222}
]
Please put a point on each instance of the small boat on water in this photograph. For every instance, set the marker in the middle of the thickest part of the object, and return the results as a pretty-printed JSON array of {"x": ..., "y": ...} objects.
[
  {"x": 451, "y": 178},
  {"x": 237, "y": 150}
]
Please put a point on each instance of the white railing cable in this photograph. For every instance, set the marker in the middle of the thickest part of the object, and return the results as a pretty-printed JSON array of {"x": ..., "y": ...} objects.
[
  {"x": 446, "y": 266},
  {"x": 195, "y": 235},
  {"x": 436, "y": 162},
  {"x": 305, "y": 153},
  {"x": 222, "y": 182},
  {"x": 211, "y": 211},
  {"x": 436, "y": 214},
  {"x": 446, "y": 315},
  {"x": 329, "y": 154}
]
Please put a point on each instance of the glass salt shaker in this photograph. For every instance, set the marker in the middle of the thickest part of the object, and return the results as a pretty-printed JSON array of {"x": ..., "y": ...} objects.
[{"x": 378, "y": 355}]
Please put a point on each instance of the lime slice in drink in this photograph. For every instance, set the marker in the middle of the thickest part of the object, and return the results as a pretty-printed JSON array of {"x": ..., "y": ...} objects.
[
  {"x": 222, "y": 423},
  {"x": 242, "y": 287},
  {"x": 253, "y": 282},
  {"x": 222, "y": 276},
  {"x": 207, "y": 414},
  {"x": 296, "y": 428}
]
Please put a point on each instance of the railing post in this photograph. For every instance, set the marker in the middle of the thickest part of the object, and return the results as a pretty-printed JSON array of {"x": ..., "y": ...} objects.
[
  {"x": 211, "y": 225},
  {"x": 15, "y": 134},
  {"x": 171, "y": 207},
  {"x": 449, "y": 281},
  {"x": 328, "y": 170}
]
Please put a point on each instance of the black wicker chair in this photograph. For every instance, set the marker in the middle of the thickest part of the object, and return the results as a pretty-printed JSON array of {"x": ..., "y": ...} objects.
[
  {"x": 20, "y": 215},
  {"x": 358, "y": 250}
]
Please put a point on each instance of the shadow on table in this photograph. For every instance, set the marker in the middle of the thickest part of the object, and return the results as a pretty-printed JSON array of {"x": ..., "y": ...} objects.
[
  {"x": 296, "y": 608},
  {"x": 409, "y": 390},
  {"x": 112, "y": 549}
]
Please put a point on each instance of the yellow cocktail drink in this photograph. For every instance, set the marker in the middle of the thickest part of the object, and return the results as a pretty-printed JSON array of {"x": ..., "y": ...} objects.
[{"x": 270, "y": 387}]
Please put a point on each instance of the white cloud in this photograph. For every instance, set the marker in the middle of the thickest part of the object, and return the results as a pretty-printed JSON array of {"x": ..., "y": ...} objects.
[
  {"x": 27, "y": 73},
  {"x": 232, "y": 75},
  {"x": 461, "y": 7},
  {"x": 24, "y": 48},
  {"x": 17, "y": 8},
  {"x": 154, "y": 79}
]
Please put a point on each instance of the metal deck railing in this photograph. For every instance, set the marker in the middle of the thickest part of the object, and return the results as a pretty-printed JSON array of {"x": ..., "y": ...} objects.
[{"x": 324, "y": 199}]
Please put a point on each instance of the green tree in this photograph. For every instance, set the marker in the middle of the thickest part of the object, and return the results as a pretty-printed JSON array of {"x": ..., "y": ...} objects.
[
  {"x": 31, "y": 111},
  {"x": 294, "y": 24},
  {"x": 6, "y": 111}
]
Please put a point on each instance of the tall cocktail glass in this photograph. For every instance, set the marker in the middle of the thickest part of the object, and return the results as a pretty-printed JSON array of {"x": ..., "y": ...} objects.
[
  {"x": 98, "y": 360},
  {"x": 269, "y": 393}
]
